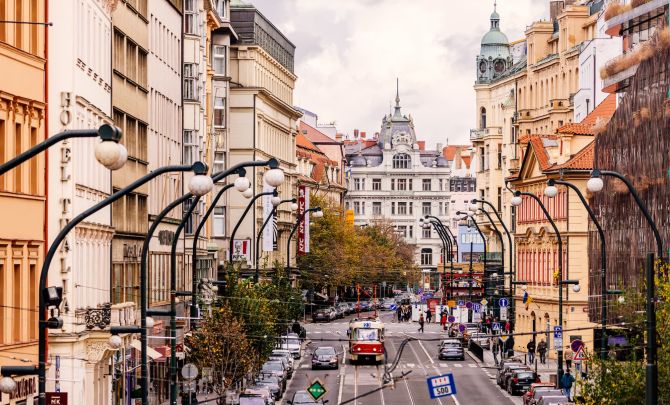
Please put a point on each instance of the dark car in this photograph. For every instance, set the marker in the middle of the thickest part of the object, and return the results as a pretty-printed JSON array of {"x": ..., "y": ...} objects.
[
  {"x": 505, "y": 372},
  {"x": 321, "y": 315},
  {"x": 520, "y": 381},
  {"x": 451, "y": 349},
  {"x": 303, "y": 398},
  {"x": 365, "y": 306},
  {"x": 325, "y": 357}
]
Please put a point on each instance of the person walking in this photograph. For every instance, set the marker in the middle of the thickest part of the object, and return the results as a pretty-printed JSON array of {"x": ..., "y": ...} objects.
[
  {"x": 566, "y": 383},
  {"x": 567, "y": 355},
  {"x": 443, "y": 321},
  {"x": 429, "y": 315},
  {"x": 531, "y": 350},
  {"x": 421, "y": 323},
  {"x": 494, "y": 349},
  {"x": 542, "y": 350}
]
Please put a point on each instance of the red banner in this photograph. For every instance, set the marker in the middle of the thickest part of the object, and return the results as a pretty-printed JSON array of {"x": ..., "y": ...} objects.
[{"x": 303, "y": 228}]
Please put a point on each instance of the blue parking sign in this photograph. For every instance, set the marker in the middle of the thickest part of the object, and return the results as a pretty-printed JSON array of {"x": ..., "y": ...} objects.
[
  {"x": 441, "y": 386},
  {"x": 477, "y": 307}
]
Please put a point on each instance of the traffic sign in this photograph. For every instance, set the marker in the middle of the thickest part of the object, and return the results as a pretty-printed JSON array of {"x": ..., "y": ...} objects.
[
  {"x": 461, "y": 327},
  {"x": 558, "y": 332},
  {"x": 495, "y": 326},
  {"x": 393, "y": 307},
  {"x": 580, "y": 355},
  {"x": 484, "y": 301},
  {"x": 468, "y": 305},
  {"x": 461, "y": 303},
  {"x": 477, "y": 307},
  {"x": 504, "y": 338},
  {"x": 451, "y": 318},
  {"x": 503, "y": 302},
  {"x": 503, "y": 313},
  {"x": 441, "y": 386},
  {"x": 189, "y": 371},
  {"x": 451, "y": 304},
  {"x": 316, "y": 390},
  {"x": 576, "y": 344}
]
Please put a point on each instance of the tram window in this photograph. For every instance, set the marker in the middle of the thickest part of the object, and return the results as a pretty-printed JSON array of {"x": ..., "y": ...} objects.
[{"x": 365, "y": 334}]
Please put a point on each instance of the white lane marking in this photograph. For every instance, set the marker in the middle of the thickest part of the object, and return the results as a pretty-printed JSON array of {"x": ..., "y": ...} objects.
[
  {"x": 472, "y": 365},
  {"x": 426, "y": 351},
  {"x": 381, "y": 384},
  {"x": 343, "y": 375},
  {"x": 410, "y": 365},
  {"x": 344, "y": 355},
  {"x": 458, "y": 365},
  {"x": 356, "y": 384},
  {"x": 444, "y": 365}
]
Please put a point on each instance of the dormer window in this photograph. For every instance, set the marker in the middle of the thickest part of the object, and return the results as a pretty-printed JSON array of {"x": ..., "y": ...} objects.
[{"x": 401, "y": 161}]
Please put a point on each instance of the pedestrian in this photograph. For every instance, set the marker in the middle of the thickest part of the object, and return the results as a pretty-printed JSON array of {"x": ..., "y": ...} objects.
[
  {"x": 566, "y": 383},
  {"x": 531, "y": 350},
  {"x": 429, "y": 315},
  {"x": 421, "y": 323},
  {"x": 542, "y": 350},
  {"x": 443, "y": 321},
  {"x": 494, "y": 349},
  {"x": 399, "y": 313},
  {"x": 296, "y": 327},
  {"x": 567, "y": 355}
]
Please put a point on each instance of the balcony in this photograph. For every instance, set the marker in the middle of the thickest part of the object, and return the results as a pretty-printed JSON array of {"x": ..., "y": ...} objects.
[
  {"x": 619, "y": 80},
  {"x": 105, "y": 315},
  {"x": 560, "y": 104},
  {"x": 476, "y": 134},
  {"x": 619, "y": 20}
]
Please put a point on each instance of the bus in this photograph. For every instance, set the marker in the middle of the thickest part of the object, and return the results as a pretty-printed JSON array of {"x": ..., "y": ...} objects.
[{"x": 366, "y": 340}]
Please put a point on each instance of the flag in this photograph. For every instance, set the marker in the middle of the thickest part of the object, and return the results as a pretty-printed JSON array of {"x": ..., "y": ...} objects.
[
  {"x": 527, "y": 300},
  {"x": 525, "y": 296}
]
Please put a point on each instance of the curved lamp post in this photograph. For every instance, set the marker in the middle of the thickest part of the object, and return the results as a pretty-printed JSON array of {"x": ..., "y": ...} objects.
[
  {"x": 446, "y": 247},
  {"x": 516, "y": 201},
  {"x": 276, "y": 202},
  {"x": 471, "y": 217},
  {"x": 318, "y": 213},
  {"x": 273, "y": 193},
  {"x": 594, "y": 185},
  {"x": 52, "y": 296}
]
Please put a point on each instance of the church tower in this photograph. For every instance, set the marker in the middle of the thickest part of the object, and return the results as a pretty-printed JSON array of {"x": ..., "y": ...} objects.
[{"x": 494, "y": 56}]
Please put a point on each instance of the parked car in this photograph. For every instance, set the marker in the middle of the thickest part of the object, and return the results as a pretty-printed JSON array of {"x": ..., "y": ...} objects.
[
  {"x": 321, "y": 315},
  {"x": 535, "y": 399},
  {"x": 387, "y": 303},
  {"x": 325, "y": 357},
  {"x": 273, "y": 384},
  {"x": 340, "y": 311},
  {"x": 276, "y": 368},
  {"x": 550, "y": 400},
  {"x": 303, "y": 398},
  {"x": 505, "y": 362},
  {"x": 482, "y": 339},
  {"x": 256, "y": 395},
  {"x": 287, "y": 355},
  {"x": 520, "y": 381},
  {"x": 505, "y": 372},
  {"x": 291, "y": 342},
  {"x": 364, "y": 306},
  {"x": 535, "y": 387},
  {"x": 451, "y": 349},
  {"x": 287, "y": 365}
]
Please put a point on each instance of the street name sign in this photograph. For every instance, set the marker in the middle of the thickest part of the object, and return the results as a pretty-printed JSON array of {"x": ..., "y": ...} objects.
[
  {"x": 316, "y": 390},
  {"x": 441, "y": 386}
]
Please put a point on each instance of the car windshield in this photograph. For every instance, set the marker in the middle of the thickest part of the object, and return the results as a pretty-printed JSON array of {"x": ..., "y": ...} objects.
[
  {"x": 273, "y": 366},
  {"x": 547, "y": 393},
  {"x": 302, "y": 398},
  {"x": 525, "y": 375},
  {"x": 365, "y": 334},
  {"x": 324, "y": 351}
]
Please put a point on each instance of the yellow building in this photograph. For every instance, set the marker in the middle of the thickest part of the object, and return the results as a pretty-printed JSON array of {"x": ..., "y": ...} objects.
[
  {"x": 536, "y": 246},
  {"x": 22, "y": 190}
]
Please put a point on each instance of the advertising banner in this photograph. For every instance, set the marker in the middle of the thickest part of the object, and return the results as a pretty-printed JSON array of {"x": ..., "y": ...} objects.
[
  {"x": 268, "y": 231},
  {"x": 242, "y": 250},
  {"x": 303, "y": 228}
]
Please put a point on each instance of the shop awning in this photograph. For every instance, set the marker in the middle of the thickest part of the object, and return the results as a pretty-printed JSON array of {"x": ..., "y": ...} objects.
[{"x": 150, "y": 352}]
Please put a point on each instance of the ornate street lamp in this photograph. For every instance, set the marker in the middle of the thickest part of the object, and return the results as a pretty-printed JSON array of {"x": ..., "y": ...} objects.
[
  {"x": 276, "y": 202},
  {"x": 318, "y": 213}
]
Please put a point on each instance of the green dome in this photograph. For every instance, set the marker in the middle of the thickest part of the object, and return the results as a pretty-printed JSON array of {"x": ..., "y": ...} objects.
[{"x": 495, "y": 37}]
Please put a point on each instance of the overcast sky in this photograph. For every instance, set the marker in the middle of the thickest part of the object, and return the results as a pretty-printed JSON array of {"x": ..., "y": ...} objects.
[{"x": 349, "y": 53}]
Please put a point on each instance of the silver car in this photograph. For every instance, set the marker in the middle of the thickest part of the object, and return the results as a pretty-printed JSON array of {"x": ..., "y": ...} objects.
[
  {"x": 276, "y": 368},
  {"x": 482, "y": 339}
]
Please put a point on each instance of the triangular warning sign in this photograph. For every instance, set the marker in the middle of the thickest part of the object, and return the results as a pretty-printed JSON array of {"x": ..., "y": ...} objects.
[{"x": 580, "y": 355}]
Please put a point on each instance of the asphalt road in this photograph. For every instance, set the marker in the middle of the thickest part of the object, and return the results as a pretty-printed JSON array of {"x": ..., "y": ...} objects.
[{"x": 362, "y": 384}]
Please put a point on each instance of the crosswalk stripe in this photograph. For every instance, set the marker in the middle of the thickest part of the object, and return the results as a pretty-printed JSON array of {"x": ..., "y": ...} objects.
[
  {"x": 458, "y": 365},
  {"x": 444, "y": 365}
]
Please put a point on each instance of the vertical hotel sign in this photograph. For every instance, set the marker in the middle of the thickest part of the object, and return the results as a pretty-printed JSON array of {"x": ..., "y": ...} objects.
[
  {"x": 268, "y": 231},
  {"x": 303, "y": 229}
]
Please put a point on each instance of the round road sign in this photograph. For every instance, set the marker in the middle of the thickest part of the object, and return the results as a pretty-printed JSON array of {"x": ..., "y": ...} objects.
[
  {"x": 189, "y": 371},
  {"x": 461, "y": 327},
  {"x": 451, "y": 318},
  {"x": 576, "y": 344}
]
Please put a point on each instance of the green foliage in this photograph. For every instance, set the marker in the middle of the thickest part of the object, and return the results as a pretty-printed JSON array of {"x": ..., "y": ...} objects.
[{"x": 623, "y": 382}]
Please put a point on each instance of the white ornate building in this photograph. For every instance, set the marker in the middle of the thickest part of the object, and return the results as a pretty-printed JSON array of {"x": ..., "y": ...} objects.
[{"x": 394, "y": 177}]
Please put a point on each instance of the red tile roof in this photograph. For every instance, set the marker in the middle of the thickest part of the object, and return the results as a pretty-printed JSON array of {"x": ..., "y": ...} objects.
[
  {"x": 604, "y": 111},
  {"x": 301, "y": 141},
  {"x": 450, "y": 151},
  {"x": 583, "y": 160},
  {"x": 540, "y": 152},
  {"x": 314, "y": 134}
]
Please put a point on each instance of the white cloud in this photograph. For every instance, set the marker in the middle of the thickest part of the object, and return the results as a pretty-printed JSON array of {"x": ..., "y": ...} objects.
[{"x": 349, "y": 53}]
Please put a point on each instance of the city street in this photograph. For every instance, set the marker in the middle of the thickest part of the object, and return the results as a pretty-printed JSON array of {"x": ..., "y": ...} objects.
[{"x": 361, "y": 384}]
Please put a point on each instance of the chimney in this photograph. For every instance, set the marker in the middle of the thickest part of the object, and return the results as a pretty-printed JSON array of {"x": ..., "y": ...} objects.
[
  {"x": 355, "y": 134},
  {"x": 555, "y": 8},
  {"x": 363, "y": 135},
  {"x": 376, "y": 135},
  {"x": 422, "y": 145},
  {"x": 439, "y": 148}
]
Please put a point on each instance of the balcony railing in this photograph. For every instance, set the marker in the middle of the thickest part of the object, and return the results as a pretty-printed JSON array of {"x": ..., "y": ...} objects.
[
  {"x": 481, "y": 133},
  {"x": 614, "y": 25},
  {"x": 105, "y": 315}
]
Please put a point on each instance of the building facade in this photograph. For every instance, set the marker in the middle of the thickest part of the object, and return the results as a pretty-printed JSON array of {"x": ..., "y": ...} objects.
[
  {"x": 393, "y": 177},
  {"x": 23, "y": 124},
  {"x": 262, "y": 116}
]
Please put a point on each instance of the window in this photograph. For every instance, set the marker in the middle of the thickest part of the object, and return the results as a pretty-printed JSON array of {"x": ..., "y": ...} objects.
[
  {"x": 482, "y": 118},
  {"x": 481, "y": 159},
  {"x": 411, "y": 208},
  {"x": 131, "y": 60},
  {"x": 219, "y": 223},
  {"x": 486, "y": 158},
  {"x": 359, "y": 184},
  {"x": 411, "y": 231},
  {"x": 190, "y": 17},
  {"x": 426, "y": 233},
  {"x": 499, "y": 156},
  {"x": 425, "y": 184},
  {"x": 190, "y": 147},
  {"x": 359, "y": 207},
  {"x": 426, "y": 208},
  {"x": 190, "y": 81},
  {"x": 441, "y": 185},
  {"x": 499, "y": 199},
  {"x": 392, "y": 184},
  {"x": 402, "y": 184},
  {"x": 402, "y": 208},
  {"x": 393, "y": 208},
  {"x": 426, "y": 257},
  {"x": 119, "y": 51},
  {"x": 513, "y": 217},
  {"x": 440, "y": 206},
  {"x": 401, "y": 161},
  {"x": 142, "y": 67},
  {"x": 377, "y": 184},
  {"x": 409, "y": 184},
  {"x": 219, "y": 60},
  {"x": 219, "y": 112},
  {"x": 221, "y": 8},
  {"x": 402, "y": 230},
  {"x": 219, "y": 162},
  {"x": 376, "y": 208}
]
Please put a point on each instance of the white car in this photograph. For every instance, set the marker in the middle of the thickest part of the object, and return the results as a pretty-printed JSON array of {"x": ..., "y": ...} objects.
[{"x": 291, "y": 343}]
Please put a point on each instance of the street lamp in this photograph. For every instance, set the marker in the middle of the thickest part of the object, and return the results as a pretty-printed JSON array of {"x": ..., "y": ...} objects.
[
  {"x": 276, "y": 202},
  {"x": 594, "y": 185},
  {"x": 516, "y": 201},
  {"x": 43, "y": 297},
  {"x": 446, "y": 244},
  {"x": 239, "y": 222},
  {"x": 318, "y": 213}
]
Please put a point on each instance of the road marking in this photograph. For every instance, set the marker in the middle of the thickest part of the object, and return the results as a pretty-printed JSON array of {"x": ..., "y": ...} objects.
[
  {"x": 381, "y": 384},
  {"x": 472, "y": 365},
  {"x": 426, "y": 351},
  {"x": 410, "y": 365},
  {"x": 444, "y": 365},
  {"x": 343, "y": 375},
  {"x": 344, "y": 355},
  {"x": 458, "y": 365}
]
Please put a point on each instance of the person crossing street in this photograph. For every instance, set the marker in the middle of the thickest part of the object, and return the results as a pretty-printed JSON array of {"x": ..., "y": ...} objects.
[{"x": 421, "y": 322}]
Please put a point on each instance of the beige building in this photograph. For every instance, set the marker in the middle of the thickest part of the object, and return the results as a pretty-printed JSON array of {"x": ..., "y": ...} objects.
[
  {"x": 262, "y": 117},
  {"x": 22, "y": 190}
]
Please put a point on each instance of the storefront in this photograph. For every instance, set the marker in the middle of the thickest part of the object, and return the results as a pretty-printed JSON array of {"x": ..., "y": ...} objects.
[{"x": 24, "y": 394}]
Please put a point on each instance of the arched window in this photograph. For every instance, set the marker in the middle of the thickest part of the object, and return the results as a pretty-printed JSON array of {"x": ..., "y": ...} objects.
[
  {"x": 401, "y": 161},
  {"x": 426, "y": 257},
  {"x": 482, "y": 118}
]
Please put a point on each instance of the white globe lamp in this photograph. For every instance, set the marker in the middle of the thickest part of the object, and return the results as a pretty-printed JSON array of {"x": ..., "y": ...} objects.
[
  {"x": 150, "y": 322},
  {"x": 200, "y": 185},
  {"x": 7, "y": 385},
  {"x": 516, "y": 200},
  {"x": 294, "y": 207},
  {"x": 123, "y": 157},
  {"x": 275, "y": 201},
  {"x": 595, "y": 184},
  {"x": 115, "y": 342},
  {"x": 107, "y": 153},
  {"x": 621, "y": 299},
  {"x": 248, "y": 193},
  {"x": 551, "y": 191},
  {"x": 318, "y": 214},
  {"x": 241, "y": 184},
  {"x": 274, "y": 177}
]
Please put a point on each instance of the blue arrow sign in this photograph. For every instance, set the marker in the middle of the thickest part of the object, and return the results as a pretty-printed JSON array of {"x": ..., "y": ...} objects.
[
  {"x": 441, "y": 386},
  {"x": 503, "y": 302},
  {"x": 393, "y": 307}
]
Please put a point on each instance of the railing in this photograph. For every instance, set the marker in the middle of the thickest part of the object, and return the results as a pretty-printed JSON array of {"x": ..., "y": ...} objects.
[
  {"x": 481, "y": 133},
  {"x": 123, "y": 314}
]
